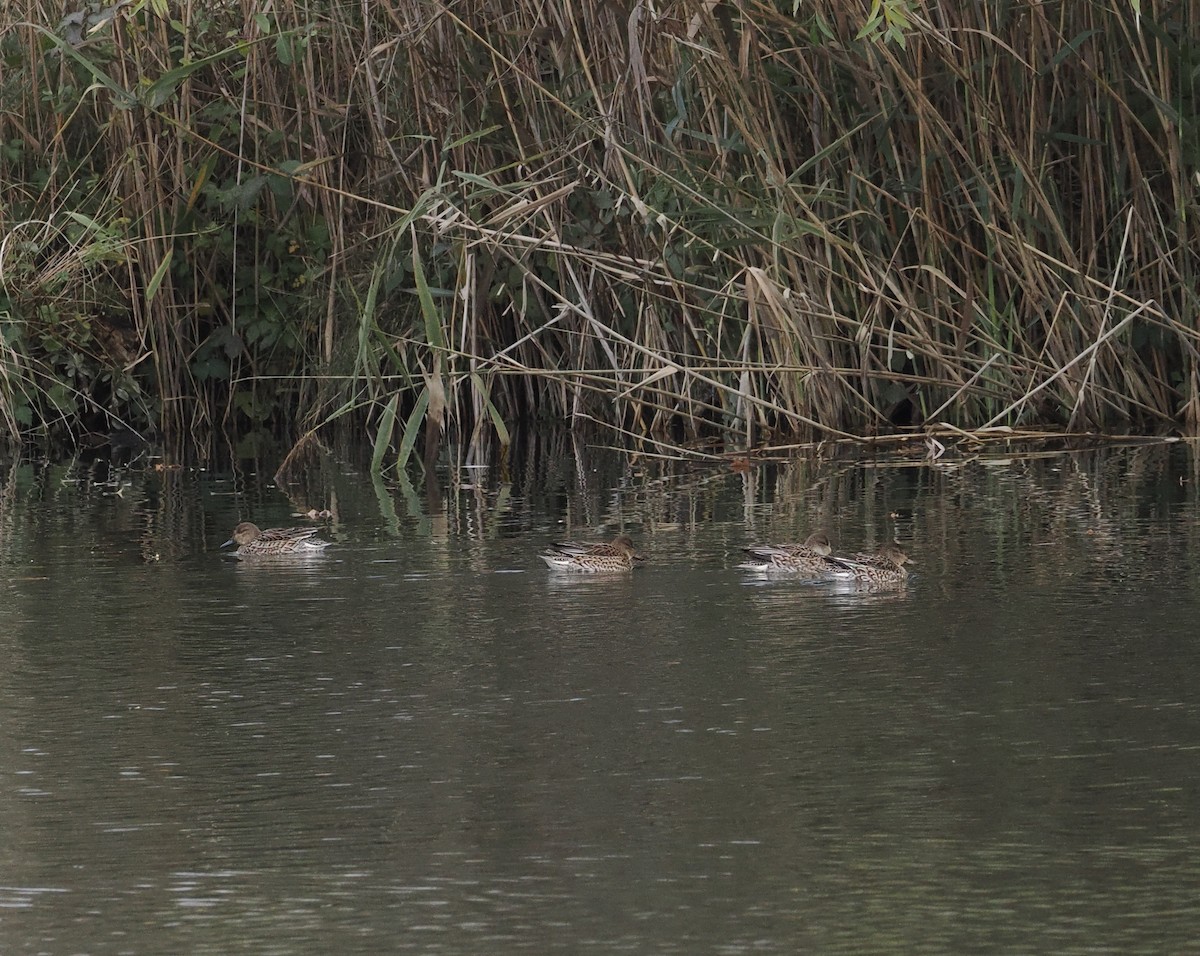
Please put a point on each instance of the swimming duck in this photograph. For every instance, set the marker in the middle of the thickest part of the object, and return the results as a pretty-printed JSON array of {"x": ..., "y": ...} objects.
[
  {"x": 885, "y": 566},
  {"x": 253, "y": 541},
  {"x": 810, "y": 559},
  {"x": 591, "y": 558}
]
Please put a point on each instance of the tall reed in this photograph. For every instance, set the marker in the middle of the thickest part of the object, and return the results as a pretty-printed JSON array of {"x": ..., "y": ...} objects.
[{"x": 731, "y": 217}]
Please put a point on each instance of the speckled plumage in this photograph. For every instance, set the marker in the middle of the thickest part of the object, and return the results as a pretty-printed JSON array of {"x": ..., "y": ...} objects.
[
  {"x": 885, "y": 566},
  {"x": 255, "y": 542},
  {"x": 809, "y": 559},
  {"x": 591, "y": 558}
]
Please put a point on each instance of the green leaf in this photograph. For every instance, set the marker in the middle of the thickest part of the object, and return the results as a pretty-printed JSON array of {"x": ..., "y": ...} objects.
[
  {"x": 493, "y": 411},
  {"x": 123, "y": 99},
  {"x": 366, "y": 321},
  {"x": 383, "y": 437},
  {"x": 156, "y": 279},
  {"x": 1070, "y": 50},
  {"x": 162, "y": 89},
  {"x": 470, "y": 137},
  {"x": 433, "y": 323},
  {"x": 412, "y": 428},
  {"x": 86, "y": 221}
]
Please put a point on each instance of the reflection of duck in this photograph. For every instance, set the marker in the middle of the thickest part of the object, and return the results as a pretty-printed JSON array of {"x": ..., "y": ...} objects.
[
  {"x": 253, "y": 541},
  {"x": 591, "y": 558},
  {"x": 810, "y": 558},
  {"x": 885, "y": 566}
]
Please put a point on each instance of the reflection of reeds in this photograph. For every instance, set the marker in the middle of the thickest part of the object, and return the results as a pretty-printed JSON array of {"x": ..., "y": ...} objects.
[
  {"x": 693, "y": 220},
  {"x": 1031, "y": 519}
]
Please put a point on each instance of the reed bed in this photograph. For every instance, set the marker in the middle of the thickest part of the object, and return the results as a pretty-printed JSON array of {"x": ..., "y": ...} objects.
[{"x": 677, "y": 220}]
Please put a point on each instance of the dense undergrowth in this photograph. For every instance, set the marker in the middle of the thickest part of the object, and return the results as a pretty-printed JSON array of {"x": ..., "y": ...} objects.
[{"x": 767, "y": 218}]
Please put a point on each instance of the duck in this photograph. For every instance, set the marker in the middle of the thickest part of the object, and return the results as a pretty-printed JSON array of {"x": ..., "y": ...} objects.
[
  {"x": 809, "y": 559},
  {"x": 253, "y": 541},
  {"x": 883, "y": 567},
  {"x": 592, "y": 557}
]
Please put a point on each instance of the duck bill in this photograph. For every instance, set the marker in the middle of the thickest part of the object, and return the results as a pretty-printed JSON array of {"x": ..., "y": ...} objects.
[{"x": 226, "y": 544}]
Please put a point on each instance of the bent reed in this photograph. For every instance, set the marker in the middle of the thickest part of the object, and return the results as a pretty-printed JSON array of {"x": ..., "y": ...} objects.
[{"x": 675, "y": 220}]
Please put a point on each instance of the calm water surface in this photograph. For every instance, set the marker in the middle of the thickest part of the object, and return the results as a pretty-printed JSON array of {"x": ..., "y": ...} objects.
[{"x": 424, "y": 742}]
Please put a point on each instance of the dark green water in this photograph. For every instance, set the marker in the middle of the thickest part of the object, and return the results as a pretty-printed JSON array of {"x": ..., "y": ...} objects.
[{"x": 426, "y": 743}]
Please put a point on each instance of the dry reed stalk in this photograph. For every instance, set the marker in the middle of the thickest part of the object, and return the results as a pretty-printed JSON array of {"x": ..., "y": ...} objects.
[{"x": 718, "y": 217}]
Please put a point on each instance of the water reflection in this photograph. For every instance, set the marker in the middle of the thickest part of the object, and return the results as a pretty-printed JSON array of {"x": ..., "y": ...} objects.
[{"x": 426, "y": 741}]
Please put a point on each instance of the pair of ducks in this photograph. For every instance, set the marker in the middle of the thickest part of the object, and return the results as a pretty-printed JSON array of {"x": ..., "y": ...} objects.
[
  {"x": 255, "y": 542},
  {"x": 812, "y": 560}
]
